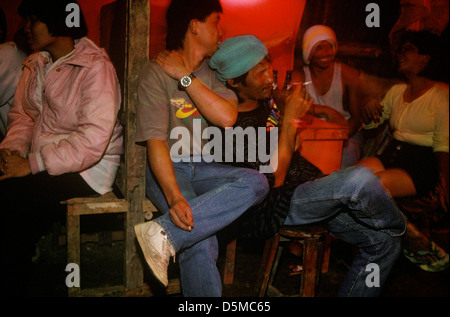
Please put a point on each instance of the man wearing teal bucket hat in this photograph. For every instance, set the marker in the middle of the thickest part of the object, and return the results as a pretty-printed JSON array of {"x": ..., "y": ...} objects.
[
  {"x": 351, "y": 202},
  {"x": 237, "y": 55}
]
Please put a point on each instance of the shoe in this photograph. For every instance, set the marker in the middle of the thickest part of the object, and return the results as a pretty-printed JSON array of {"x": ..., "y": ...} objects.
[
  {"x": 156, "y": 248},
  {"x": 435, "y": 260}
]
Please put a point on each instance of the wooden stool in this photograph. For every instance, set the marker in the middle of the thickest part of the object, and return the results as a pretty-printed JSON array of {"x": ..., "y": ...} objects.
[
  {"x": 230, "y": 260},
  {"x": 77, "y": 207},
  {"x": 109, "y": 204},
  {"x": 312, "y": 238}
]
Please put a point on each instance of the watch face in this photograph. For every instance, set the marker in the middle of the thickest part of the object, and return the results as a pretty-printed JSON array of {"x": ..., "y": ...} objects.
[{"x": 186, "y": 81}]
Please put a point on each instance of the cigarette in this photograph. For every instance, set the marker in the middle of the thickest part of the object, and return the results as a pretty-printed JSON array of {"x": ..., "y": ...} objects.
[{"x": 307, "y": 83}]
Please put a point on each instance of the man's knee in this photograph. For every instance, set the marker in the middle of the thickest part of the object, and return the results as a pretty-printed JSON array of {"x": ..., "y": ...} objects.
[{"x": 256, "y": 181}]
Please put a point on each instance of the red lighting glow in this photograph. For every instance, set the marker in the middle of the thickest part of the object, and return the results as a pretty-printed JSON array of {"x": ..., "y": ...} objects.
[{"x": 275, "y": 22}]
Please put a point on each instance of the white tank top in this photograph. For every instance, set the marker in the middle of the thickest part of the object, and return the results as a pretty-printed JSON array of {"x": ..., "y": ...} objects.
[{"x": 333, "y": 97}]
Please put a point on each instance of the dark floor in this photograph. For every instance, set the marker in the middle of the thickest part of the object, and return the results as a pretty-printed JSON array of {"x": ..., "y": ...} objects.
[{"x": 102, "y": 265}]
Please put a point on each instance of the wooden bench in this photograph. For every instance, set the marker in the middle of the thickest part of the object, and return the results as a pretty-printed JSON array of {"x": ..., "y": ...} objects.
[{"x": 85, "y": 206}]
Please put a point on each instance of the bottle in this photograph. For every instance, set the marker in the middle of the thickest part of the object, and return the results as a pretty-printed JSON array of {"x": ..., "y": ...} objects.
[
  {"x": 275, "y": 80},
  {"x": 275, "y": 89},
  {"x": 286, "y": 91},
  {"x": 287, "y": 87}
]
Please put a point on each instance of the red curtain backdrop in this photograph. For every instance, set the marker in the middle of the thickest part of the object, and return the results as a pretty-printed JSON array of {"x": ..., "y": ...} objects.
[
  {"x": 91, "y": 10},
  {"x": 275, "y": 22}
]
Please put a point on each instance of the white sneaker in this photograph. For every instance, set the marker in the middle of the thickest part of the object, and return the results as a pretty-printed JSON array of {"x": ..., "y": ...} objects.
[{"x": 156, "y": 248}]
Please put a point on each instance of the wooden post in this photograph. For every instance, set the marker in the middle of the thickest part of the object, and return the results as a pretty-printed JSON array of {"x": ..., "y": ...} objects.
[
  {"x": 136, "y": 55},
  {"x": 311, "y": 266},
  {"x": 73, "y": 240},
  {"x": 228, "y": 275}
]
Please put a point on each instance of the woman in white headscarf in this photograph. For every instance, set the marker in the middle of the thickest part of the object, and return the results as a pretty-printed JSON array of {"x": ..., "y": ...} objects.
[{"x": 333, "y": 84}]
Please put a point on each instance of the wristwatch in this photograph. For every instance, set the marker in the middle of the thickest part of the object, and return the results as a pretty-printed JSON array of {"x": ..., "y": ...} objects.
[{"x": 186, "y": 81}]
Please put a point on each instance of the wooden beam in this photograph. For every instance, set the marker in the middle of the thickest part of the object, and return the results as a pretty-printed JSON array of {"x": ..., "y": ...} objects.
[{"x": 136, "y": 55}]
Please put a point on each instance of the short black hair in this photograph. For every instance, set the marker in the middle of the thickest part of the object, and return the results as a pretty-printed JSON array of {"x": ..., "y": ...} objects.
[
  {"x": 426, "y": 42},
  {"x": 238, "y": 80},
  {"x": 179, "y": 15},
  {"x": 3, "y": 26},
  {"x": 53, "y": 13},
  {"x": 429, "y": 44}
]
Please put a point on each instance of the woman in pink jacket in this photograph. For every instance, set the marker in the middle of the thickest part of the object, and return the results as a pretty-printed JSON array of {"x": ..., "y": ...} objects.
[{"x": 63, "y": 139}]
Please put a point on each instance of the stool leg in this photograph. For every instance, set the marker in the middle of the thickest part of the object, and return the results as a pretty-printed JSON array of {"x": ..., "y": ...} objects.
[
  {"x": 265, "y": 268},
  {"x": 73, "y": 244},
  {"x": 230, "y": 259},
  {"x": 326, "y": 253},
  {"x": 311, "y": 267},
  {"x": 275, "y": 264}
]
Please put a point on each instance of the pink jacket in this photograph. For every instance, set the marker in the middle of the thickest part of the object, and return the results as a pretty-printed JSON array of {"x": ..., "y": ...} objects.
[{"x": 76, "y": 124}]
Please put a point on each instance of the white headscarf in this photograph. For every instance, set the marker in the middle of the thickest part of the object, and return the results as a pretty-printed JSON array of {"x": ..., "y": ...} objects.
[{"x": 314, "y": 35}]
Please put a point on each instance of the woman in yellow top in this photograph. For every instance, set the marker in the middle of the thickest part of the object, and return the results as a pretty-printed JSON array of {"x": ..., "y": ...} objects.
[{"x": 415, "y": 162}]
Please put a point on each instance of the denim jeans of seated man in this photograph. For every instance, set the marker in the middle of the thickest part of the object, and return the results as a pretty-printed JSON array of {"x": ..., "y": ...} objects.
[
  {"x": 351, "y": 152},
  {"x": 356, "y": 210},
  {"x": 218, "y": 194}
]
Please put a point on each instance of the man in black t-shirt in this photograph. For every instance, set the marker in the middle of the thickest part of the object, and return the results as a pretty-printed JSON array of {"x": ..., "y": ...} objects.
[{"x": 351, "y": 202}]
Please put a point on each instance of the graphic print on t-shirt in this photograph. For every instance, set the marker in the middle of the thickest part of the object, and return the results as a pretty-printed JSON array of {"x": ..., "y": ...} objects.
[{"x": 185, "y": 109}]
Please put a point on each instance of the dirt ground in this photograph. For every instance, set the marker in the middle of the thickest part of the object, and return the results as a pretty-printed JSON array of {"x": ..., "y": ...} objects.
[{"x": 102, "y": 266}]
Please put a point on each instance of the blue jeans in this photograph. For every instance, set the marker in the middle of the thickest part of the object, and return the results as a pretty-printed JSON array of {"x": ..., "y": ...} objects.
[
  {"x": 218, "y": 194},
  {"x": 359, "y": 211},
  {"x": 351, "y": 151}
]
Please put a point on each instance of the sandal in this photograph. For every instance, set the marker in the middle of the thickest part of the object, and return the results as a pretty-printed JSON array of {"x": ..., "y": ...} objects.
[{"x": 435, "y": 260}]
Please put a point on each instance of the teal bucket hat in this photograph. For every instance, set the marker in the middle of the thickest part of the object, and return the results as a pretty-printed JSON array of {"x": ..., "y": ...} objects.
[{"x": 237, "y": 55}]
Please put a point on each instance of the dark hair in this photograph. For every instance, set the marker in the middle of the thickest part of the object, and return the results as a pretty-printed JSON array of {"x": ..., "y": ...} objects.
[
  {"x": 179, "y": 15},
  {"x": 238, "y": 80},
  {"x": 3, "y": 26},
  {"x": 242, "y": 79},
  {"x": 427, "y": 43},
  {"x": 53, "y": 13}
]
